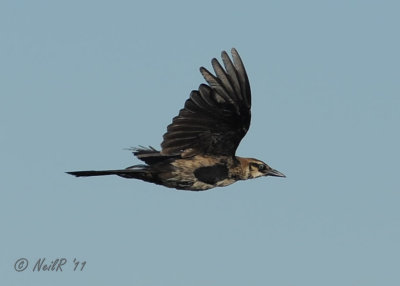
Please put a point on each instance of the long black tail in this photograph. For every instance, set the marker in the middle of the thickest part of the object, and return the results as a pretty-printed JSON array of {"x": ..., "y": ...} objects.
[{"x": 137, "y": 172}]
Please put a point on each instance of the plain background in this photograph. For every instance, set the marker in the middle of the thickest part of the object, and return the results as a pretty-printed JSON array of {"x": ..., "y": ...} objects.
[{"x": 83, "y": 80}]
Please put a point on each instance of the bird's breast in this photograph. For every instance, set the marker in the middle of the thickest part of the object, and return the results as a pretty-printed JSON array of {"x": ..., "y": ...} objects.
[{"x": 203, "y": 172}]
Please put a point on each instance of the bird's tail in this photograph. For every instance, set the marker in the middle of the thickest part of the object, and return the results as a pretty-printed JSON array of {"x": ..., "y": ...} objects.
[{"x": 137, "y": 172}]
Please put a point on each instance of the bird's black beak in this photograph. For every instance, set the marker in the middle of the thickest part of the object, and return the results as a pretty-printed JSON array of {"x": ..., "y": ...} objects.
[{"x": 275, "y": 173}]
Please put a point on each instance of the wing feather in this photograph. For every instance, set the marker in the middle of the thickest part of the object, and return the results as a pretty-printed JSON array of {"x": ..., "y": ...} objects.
[{"x": 217, "y": 116}]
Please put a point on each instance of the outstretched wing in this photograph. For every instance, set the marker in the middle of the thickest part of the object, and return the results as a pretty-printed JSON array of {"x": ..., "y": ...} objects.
[{"x": 216, "y": 116}]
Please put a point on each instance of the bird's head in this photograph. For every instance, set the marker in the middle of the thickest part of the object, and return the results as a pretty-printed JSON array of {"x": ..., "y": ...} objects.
[{"x": 255, "y": 168}]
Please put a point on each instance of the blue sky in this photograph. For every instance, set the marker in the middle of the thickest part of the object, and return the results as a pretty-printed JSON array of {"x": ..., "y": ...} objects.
[{"x": 83, "y": 80}]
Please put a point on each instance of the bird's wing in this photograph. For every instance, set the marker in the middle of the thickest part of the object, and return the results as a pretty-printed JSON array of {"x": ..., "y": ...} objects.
[{"x": 216, "y": 116}]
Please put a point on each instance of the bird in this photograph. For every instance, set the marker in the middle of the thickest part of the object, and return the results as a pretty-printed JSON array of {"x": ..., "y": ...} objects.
[{"x": 198, "y": 151}]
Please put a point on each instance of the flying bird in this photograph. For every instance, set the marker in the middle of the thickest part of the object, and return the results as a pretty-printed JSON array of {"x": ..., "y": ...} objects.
[{"x": 198, "y": 149}]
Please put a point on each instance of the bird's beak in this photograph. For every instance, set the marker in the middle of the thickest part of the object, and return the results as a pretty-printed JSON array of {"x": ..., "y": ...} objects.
[{"x": 275, "y": 173}]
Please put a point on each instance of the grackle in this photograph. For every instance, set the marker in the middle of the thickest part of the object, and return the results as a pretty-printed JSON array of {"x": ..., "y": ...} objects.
[{"x": 198, "y": 150}]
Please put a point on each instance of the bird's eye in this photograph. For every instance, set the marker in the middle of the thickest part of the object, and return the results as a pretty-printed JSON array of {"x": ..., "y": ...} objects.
[{"x": 261, "y": 167}]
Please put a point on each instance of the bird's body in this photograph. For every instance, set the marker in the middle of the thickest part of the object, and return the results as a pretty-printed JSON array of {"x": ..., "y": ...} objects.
[{"x": 198, "y": 151}]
